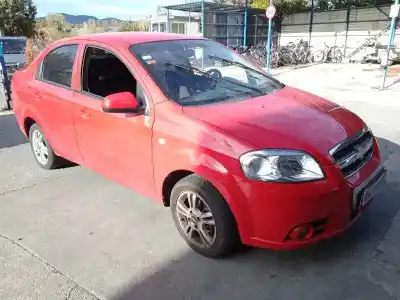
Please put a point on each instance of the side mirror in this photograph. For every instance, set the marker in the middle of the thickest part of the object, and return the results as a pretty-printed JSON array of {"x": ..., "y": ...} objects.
[{"x": 121, "y": 103}]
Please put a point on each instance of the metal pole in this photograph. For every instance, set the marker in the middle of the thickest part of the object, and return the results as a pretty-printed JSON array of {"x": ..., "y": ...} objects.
[
  {"x": 5, "y": 86},
  {"x": 245, "y": 25},
  {"x": 190, "y": 25},
  {"x": 202, "y": 18},
  {"x": 311, "y": 23},
  {"x": 347, "y": 30},
  {"x": 168, "y": 25},
  {"x": 255, "y": 30},
  {"x": 392, "y": 33},
  {"x": 269, "y": 44}
]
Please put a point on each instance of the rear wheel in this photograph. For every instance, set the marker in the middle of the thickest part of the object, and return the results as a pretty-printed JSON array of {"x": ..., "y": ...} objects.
[
  {"x": 203, "y": 217},
  {"x": 42, "y": 151}
]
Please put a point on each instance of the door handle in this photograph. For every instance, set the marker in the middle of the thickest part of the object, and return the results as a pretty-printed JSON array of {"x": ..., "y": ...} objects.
[{"x": 85, "y": 114}]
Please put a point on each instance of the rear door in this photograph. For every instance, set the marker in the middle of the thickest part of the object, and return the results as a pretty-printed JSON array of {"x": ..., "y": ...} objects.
[
  {"x": 118, "y": 145},
  {"x": 52, "y": 95}
]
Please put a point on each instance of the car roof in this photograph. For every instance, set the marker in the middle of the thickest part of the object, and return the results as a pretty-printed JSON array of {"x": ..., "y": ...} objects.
[
  {"x": 12, "y": 38},
  {"x": 129, "y": 37}
]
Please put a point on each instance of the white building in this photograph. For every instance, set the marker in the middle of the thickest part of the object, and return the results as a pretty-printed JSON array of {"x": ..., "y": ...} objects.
[{"x": 179, "y": 23}]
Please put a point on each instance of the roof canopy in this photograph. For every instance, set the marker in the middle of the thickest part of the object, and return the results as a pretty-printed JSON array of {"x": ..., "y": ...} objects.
[{"x": 208, "y": 7}]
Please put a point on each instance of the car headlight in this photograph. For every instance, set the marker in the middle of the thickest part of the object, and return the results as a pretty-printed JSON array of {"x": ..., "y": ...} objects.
[{"x": 280, "y": 166}]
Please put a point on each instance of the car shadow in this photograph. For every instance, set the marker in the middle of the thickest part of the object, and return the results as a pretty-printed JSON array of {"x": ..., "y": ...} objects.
[
  {"x": 334, "y": 269},
  {"x": 10, "y": 134}
]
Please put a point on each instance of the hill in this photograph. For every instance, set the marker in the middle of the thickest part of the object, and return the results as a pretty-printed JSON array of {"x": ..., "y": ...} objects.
[{"x": 80, "y": 19}]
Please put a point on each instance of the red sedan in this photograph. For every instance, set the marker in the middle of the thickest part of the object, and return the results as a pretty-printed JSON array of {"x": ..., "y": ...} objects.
[{"x": 239, "y": 157}]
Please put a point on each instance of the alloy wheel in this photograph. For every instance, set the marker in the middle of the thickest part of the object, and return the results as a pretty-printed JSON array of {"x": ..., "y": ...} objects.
[
  {"x": 40, "y": 148},
  {"x": 196, "y": 219}
]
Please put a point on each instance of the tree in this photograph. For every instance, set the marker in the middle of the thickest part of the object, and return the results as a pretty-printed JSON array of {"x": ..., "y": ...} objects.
[
  {"x": 261, "y": 4},
  {"x": 17, "y": 17},
  {"x": 54, "y": 27},
  {"x": 130, "y": 26},
  {"x": 283, "y": 7}
]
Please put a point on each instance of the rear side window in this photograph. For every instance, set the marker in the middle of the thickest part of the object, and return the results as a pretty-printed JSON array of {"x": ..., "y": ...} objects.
[{"x": 57, "y": 65}]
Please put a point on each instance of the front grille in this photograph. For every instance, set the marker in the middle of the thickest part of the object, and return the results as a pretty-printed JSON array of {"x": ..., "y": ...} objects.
[{"x": 351, "y": 154}]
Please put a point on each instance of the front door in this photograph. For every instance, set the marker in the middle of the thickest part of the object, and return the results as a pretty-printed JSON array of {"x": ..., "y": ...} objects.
[{"x": 117, "y": 145}]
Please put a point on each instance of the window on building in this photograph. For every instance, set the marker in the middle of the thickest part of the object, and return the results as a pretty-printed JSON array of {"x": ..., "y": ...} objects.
[
  {"x": 178, "y": 28},
  {"x": 163, "y": 27},
  {"x": 154, "y": 27}
]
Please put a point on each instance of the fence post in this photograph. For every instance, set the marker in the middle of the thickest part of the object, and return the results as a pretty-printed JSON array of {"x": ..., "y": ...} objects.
[
  {"x": 168, "y": 23},
  {"x": 4, "y": 82},
  {"x": 256, "y": 30},
  {"x": 311, "y": 23},
  {"x": 245, "y": 25},
  {"x": 347, "y": 30},
  {"x": 202, "y": 19}
]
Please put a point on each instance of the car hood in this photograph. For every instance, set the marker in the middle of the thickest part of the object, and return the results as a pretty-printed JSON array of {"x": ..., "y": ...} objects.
[{"x": 287, "y": 119}]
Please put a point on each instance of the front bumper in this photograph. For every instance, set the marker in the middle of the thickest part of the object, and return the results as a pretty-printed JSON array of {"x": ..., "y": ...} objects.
[{"x": 327, "y": 206}]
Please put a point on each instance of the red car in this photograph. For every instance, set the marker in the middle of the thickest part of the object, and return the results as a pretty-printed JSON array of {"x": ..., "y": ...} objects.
[{"x": 239, "y": 157}]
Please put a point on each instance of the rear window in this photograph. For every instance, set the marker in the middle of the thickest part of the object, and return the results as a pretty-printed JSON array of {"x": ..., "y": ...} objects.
[
  {"x": 58, "y": 64},
  {"x": 13, "y": 46}
]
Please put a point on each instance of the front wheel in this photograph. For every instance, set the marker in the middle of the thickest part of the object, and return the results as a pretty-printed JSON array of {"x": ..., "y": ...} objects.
[{"x": 203, "y": 217}]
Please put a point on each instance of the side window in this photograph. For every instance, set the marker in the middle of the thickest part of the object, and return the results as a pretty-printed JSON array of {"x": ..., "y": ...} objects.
[
  {"x": 57, "y": 65},
  {"x": 104, "y": 74}
]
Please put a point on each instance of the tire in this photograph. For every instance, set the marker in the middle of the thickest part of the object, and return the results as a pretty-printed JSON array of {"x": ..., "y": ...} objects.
[
  {"x": 220, "y": 235},
  {"x": 336, "y": 55},
  {"x": 318, "y": 56},
  {"x": 46, "y": 159}
]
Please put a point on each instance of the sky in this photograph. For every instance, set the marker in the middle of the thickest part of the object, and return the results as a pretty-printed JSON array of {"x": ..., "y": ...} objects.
[{"x": 123, "y": 9}]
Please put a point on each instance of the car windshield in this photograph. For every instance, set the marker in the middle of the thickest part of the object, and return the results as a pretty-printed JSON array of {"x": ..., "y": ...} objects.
[
  {"x": 196, "y": 72},
  {"x": 13, "y": 46}
]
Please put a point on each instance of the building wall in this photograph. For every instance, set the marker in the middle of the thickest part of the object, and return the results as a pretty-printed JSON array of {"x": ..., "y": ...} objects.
[
  {"x": 181, "y": 22},
  {"x": 332, "y": 27}
]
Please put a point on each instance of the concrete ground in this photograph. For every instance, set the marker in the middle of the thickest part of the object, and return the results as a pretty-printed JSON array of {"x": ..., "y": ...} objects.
[{"x": 72, "y": 234}]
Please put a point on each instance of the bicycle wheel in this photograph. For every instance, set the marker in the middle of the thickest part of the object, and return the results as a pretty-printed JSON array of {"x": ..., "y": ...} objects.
[
  {"x": 336, "y": 55},
  {"x": 287, "y": 59},
  {"x": 274, "y": 59},
  {"x": 318, "y": 56}
]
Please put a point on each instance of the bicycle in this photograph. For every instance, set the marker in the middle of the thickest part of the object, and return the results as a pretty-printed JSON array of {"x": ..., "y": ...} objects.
[{"x": 329, "y": 54}]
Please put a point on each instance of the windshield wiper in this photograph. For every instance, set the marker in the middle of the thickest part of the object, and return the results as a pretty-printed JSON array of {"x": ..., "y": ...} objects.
[{"x": 190, "y": 69}]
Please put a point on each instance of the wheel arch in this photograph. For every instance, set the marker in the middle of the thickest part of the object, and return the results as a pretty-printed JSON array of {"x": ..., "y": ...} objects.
[
  {"x": 170, "y": 181},
  {"x": 226, "y": 186},
  {"x": 28, "y": 122}
]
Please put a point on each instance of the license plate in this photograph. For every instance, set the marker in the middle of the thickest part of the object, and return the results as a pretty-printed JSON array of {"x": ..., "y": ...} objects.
[{"x": 365, "y": 195}]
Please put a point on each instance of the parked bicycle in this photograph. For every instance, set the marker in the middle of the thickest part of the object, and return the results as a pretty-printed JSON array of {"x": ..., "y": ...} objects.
[
  {"x": 329, "y": 54},
  {"x": 289, "y": 54}
]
